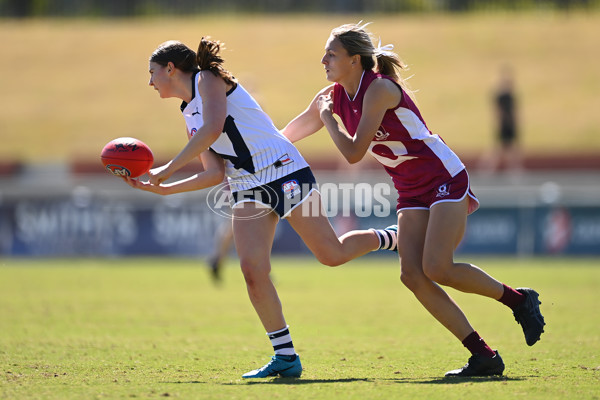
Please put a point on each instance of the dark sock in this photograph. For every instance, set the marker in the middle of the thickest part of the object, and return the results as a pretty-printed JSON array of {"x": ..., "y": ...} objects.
[
  {"x": 476, "y": 345},
  {"x": 511, "y": 297},
  {"x": 288, "y": 358}
]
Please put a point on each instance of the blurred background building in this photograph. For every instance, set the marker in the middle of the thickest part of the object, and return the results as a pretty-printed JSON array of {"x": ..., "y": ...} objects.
[{"x": 120, "y": 8}]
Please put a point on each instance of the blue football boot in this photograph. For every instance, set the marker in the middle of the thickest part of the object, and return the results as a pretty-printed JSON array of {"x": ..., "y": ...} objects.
[{"x": 285, "y": 366}]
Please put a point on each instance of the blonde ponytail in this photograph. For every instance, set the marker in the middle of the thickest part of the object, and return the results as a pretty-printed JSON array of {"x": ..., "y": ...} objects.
[{"x": 356, "y": 39}]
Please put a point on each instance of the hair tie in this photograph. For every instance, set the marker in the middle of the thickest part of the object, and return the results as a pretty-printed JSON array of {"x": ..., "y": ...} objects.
[{"x": 384, "y": 50}]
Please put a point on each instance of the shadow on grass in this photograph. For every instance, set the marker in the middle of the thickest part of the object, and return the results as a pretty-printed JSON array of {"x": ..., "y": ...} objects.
[
  {"x": 447, "y": 380},
  {"x": 299, "y": 381},
  {"x": 425, "y": 381},
  {"x": 419, "y": 381}
]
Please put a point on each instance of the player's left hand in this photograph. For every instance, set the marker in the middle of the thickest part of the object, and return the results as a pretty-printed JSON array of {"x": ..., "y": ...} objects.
[{"x": 143, "y": 185}]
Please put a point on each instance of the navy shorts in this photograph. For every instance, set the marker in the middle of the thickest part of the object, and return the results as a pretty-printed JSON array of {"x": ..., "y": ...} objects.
[{"x": 281, "y": 195}]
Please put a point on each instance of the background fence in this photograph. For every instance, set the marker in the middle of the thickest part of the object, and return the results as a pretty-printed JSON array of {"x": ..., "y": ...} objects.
[{"x": 543, "y": 214}]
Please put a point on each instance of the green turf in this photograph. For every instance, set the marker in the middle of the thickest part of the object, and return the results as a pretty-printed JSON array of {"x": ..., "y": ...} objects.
[{"x": 141, "y": 328}]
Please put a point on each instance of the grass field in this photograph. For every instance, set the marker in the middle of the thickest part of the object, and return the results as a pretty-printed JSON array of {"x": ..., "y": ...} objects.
[
  {"x": 153, "y": 328},
  {"x": 69, "y": 86}
]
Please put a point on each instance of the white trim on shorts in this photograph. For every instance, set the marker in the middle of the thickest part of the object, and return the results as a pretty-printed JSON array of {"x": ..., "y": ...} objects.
[
  {"x": 475, "y": 199},
  {"x": 251, "y": 201},
  {"x": 411, "y": 208},
  {"x": 287, "y": 214}
]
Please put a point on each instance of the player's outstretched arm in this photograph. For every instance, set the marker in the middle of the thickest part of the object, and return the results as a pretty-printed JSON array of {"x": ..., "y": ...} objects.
[
  {"x": 213, "y": 174},
  {"x": 308, "y": 122}
]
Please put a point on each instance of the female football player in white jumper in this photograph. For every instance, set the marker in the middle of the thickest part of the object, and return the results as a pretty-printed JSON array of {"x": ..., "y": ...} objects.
[
  {"x": 434, "y": 197},
  {"x": 268, "y": 178}
]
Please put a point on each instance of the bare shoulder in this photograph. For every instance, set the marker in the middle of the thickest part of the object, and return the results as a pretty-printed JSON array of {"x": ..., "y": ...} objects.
[
  {"x": 384, "y": 90},
  {"x": 385, "y": 85}
]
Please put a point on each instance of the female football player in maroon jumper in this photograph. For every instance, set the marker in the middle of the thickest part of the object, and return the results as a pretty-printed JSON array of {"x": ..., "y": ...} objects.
[{"x": 379, "y": 117}]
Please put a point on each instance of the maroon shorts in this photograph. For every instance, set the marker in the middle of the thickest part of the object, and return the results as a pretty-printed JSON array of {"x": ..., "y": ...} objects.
[{"x": 453, "y": 190}]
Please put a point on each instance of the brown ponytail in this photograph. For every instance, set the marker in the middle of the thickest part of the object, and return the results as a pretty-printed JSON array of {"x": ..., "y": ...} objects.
[{"x": 208, "y": 59}]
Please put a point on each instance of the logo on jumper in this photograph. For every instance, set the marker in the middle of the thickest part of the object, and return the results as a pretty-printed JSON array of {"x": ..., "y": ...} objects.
[
  {"x": 381, "y": 134},
  {"x": 443, "y": 190},
  {"x": 283, "y": 160},
  {"x": 193, "y": 132},
  {"x": 291, "y": 188}
]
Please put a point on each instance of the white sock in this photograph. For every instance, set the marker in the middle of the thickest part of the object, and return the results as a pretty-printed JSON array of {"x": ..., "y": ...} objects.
[
  {"x": 388, "y": 239},
  {"x": 282, "y": 341}
]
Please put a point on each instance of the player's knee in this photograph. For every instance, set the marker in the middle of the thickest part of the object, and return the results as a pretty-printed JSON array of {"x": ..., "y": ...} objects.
[
  {"x": 437, "y": 272},
  {"x": 328, "y": 255},
  {"x": 410, "y": 276},
  {"x": 330, "y": 260},
  {"x": 253, "y": 271}
]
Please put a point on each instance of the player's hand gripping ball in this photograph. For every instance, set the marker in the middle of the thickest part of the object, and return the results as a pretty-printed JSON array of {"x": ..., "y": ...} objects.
[{"x": 127, "y": 156}]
